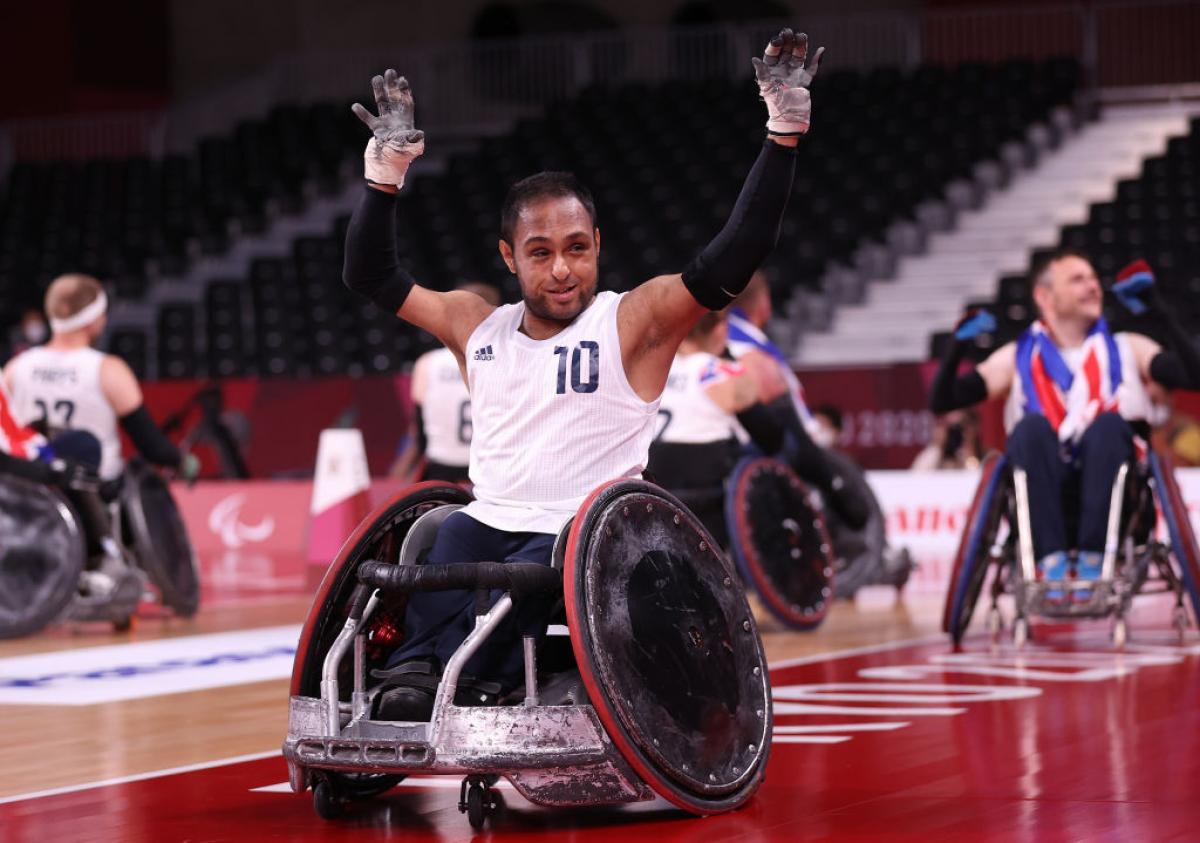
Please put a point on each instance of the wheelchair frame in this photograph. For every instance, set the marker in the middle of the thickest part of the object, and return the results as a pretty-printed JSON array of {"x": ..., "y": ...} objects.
[
  {"x": 1128, "y": 568},
  {"x": 555, "y": 755}
]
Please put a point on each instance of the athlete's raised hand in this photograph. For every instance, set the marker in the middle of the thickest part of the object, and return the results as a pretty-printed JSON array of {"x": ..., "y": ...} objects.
[
  {"x": 783, "y": 82},
  {"x": 395, "y": 143}
]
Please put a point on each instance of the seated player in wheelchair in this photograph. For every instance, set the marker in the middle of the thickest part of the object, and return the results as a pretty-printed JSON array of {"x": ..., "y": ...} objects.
[
  {"x": 1077, "y": 405},
  {"x": 65, "y": 387},
  {"x": 564, "y": 385}
]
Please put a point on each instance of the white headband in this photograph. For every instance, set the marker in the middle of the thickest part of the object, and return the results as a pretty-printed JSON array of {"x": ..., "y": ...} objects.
[{"x": 83, "y": 318}]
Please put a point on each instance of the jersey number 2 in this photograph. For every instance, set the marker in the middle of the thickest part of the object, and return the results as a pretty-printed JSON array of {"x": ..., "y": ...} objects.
[{"x": 578, "y": 384}]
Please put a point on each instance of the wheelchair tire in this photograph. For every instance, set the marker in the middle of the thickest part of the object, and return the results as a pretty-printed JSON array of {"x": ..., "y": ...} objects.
[
  {"x": 1179, "y": 527},
  {"x": 379, "y": 536},
  {"x": 667, "y": 647},
  {"x": 156, "y": 534},
  {"x": 779, "y": 541},
  {"x": 970, "y": 562},
  {"x": 41, "y": 557}
]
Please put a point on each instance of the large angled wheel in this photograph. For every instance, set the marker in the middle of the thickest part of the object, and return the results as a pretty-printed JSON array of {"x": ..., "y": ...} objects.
[
  {"x": 971, "y": 560},
  {"x": 667, "y": 647},
  {"x": 778, "y": 539},
  {"x": 42, "y": 552},
  {"x": 159, "y": 540},
  {"x": 1179, "y": 526},
  {"x": 380, "y": 537}
]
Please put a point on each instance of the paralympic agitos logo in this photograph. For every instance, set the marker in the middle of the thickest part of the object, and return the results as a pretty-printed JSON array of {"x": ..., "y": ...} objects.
[{"x": 225, "y": 521}]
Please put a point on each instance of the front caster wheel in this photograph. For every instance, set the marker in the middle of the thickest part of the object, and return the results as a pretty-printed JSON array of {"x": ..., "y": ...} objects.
[
  {"x": 478, "y": 800},
  {"x": 326, "y": 801}
]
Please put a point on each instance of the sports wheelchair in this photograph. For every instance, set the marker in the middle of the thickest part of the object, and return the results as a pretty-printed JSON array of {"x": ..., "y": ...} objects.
[
  {"x": 671, "y": 695},
  {"x": 997, "y": 538},
  {"x": 44, "y": 554}
]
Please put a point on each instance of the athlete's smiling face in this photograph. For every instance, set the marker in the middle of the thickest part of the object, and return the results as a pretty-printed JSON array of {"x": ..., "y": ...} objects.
[
  {"x": 555, "y": 256},
  {"x": 1069, "y": 289}
]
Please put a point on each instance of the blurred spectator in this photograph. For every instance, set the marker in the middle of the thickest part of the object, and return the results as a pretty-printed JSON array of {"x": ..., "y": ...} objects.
[
  {"x": 955, "y": 443},
  {"x": 27, "y": 333},
  {"x": 827, "y": 429}
]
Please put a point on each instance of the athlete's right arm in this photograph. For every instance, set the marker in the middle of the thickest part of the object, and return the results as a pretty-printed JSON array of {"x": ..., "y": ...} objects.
[
  {"x": 990, "y": 379},
  {"x": 372, "y": 268},
  {"x": 124, "y": 395}
]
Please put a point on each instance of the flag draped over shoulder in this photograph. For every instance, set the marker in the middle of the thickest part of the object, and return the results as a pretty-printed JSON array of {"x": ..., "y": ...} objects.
[{"x": 1069, "y": 400}]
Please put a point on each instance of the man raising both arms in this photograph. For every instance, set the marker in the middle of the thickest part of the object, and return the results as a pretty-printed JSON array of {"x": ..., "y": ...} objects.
[{"x": 565, "y": 384}]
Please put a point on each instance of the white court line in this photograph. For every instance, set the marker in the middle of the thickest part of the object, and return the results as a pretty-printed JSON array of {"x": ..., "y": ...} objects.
[
  {"x": 153, "y": 774},
  {"x": 838, "y": 728},
  {"x": 858, "y": 651},
  {"x": 38, "y": 794},
  {"x": 826, "y": 739}
]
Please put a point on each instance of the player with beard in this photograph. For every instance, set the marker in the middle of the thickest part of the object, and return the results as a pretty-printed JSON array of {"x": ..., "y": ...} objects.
[
  {"x": 565, "y": 384},
  {"x": 1077, "y": 397}
]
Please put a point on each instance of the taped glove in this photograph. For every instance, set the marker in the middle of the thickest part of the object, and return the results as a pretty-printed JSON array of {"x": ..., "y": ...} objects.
[
  {"x": 783, "y": 82},
  {"x": 1135, "y": 287},
  {"x": 396, "y": 144},
  {"x": 973, "y": 324}
]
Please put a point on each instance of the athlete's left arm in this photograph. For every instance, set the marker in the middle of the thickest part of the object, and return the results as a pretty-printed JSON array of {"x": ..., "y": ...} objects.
[
  {"x": 1177, "y": 366},
  {"x": 654, "y": 318}
]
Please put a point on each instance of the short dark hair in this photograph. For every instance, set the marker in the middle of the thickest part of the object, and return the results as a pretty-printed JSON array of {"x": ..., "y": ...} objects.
[
  {"x": 544, "y": 185},
  {"x": 1042, "y": 262}
]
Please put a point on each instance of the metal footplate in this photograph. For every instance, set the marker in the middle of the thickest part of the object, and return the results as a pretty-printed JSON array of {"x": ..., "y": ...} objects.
[{"x": 553, "y": 755}]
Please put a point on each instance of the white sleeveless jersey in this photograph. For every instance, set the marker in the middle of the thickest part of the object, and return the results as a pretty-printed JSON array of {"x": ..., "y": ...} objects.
[
  {"x": 1134, "y": 402},
  {"x": 553, "y": 418},
  {"x": 63, "y": 387},
  {"x": 686, "y": 415},
  {"x": 445, "y": 408}
]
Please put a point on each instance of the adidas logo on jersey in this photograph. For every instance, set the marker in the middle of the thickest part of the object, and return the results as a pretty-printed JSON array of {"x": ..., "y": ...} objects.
[{"x": 484, "y": 353}]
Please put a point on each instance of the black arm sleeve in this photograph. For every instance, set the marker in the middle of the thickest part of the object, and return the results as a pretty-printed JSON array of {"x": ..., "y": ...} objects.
[
  {"x": 1179, "y": 366},
  {"x": 372, "y": 268},
  {"x": 723, "y": 268},
  {"x": 951, "y": 392},
  {"x": 764, "y": 429},
  {"x": 149, "y": 440}
]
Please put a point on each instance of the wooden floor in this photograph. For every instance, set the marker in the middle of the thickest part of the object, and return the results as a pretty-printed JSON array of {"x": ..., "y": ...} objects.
[
  {"x": 881, "y": 732},
  {"x": 58, "y": 746}
]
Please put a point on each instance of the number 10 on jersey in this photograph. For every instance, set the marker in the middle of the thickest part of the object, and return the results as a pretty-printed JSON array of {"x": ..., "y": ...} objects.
[{"x": 578, "y": 382}]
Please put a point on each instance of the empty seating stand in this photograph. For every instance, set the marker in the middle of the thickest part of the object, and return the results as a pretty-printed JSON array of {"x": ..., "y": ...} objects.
[{"x": 1155, "y": 216}]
